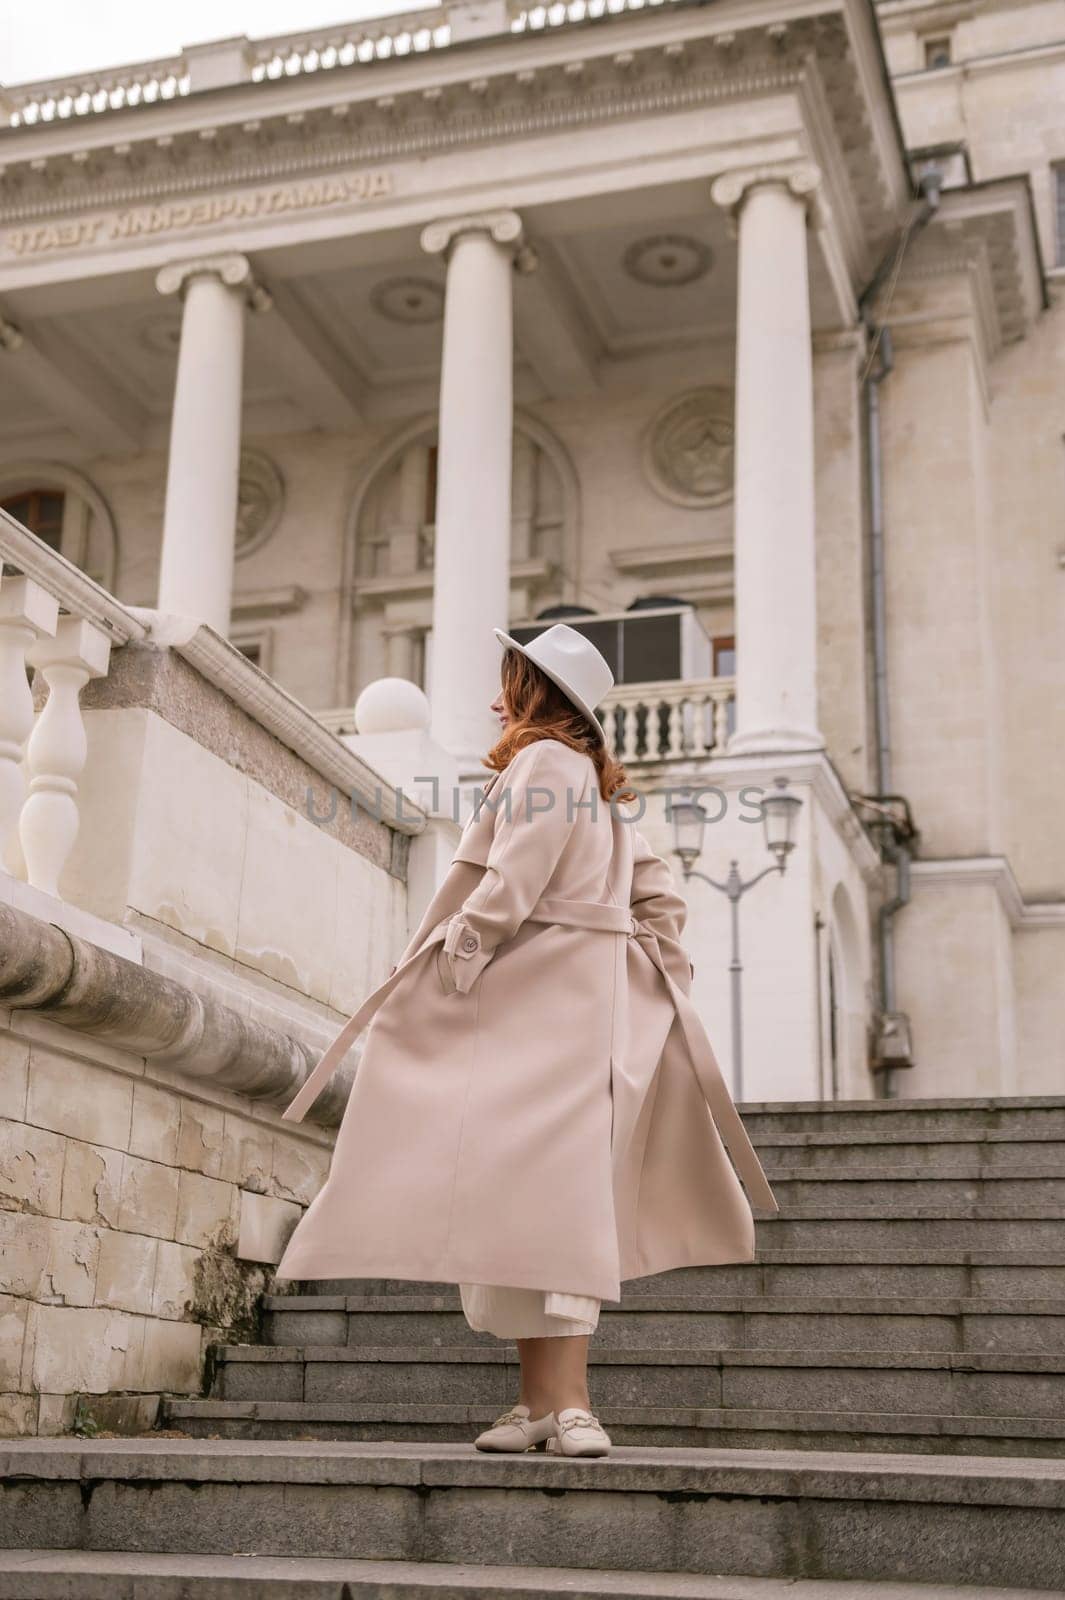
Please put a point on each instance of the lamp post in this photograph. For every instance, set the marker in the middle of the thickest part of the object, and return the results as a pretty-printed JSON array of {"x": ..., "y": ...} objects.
[{"x": 779, "y": 812}]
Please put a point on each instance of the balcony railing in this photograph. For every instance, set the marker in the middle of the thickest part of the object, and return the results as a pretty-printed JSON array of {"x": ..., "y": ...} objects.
[{"x": 676, "y": 720}]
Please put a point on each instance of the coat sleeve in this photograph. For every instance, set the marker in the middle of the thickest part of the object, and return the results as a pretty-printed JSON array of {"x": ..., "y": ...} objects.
[
  {"x": 534, "y": 807},
  {"x": 654, "y": 898}
]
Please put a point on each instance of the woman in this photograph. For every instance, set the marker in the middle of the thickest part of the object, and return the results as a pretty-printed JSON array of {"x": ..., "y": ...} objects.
[{"x": 537, "y": 1113}]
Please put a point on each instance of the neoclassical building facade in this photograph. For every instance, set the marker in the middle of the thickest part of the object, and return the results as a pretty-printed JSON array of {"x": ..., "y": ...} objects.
[{"x": 733, "y": 334}]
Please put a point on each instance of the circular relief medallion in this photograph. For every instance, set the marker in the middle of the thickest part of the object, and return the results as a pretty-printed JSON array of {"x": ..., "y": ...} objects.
[
  {"x": 260, "y": 498},
  {"x": 688, "y": 449},
  {"x": 667, "y": 260},
  {"x": 408, "y": 300}
]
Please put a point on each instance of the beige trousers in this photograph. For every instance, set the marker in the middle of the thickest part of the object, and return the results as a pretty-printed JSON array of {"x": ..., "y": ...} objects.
[{"x": 527, "y": 1313}]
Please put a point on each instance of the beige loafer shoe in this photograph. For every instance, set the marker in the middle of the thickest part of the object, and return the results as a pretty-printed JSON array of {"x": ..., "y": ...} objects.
[
  {"x": 516, "y": 1430},
  {"x": 579, "y": 1434}
]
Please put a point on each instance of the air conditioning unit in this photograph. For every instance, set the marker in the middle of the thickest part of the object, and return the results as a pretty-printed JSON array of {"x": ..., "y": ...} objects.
[{"x": 652, "y": 644}]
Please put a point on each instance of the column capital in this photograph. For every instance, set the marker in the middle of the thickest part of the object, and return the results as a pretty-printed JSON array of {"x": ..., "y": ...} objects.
[
  {"x": 232, "y": 270},
  {"x": 800, "y": 178},
  {"x": 504, "y": 227}
]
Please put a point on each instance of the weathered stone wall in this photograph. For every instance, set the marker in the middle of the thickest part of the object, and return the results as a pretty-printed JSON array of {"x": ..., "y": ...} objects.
[{"x": 139, "y": 1218}]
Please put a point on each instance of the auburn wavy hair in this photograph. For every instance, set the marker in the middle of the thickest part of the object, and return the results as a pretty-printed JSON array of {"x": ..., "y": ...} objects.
[{"x": 540, "y": 710}]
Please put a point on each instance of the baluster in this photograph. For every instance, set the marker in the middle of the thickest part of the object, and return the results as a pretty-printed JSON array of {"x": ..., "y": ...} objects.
[
  {"x": 699, "y": 743},
  {"x": 630, "y": 728},
  {"x": 26, "y": 610},
  {"x": 675, "y": 727},
  {"x": 58, "y": 747},
  {"x": 721, "y": 698}
]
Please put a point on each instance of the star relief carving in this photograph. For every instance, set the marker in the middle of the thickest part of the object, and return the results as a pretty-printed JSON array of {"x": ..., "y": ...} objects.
[{"x": 689, "y": 448}]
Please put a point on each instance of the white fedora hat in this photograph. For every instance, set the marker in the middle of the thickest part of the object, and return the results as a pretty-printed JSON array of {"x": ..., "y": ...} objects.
[{"x": 572, "y": 662}]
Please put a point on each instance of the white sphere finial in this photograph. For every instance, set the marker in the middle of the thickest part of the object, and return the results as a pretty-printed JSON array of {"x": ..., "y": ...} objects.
[{"x": 391, "y": 705}]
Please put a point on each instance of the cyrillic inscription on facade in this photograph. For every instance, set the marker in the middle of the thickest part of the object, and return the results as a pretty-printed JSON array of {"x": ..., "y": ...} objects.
[{"x": 202, "y": 212}]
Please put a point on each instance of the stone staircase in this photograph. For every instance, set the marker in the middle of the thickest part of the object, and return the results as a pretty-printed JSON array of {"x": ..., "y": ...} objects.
[{"x": 878, "y": 1400}]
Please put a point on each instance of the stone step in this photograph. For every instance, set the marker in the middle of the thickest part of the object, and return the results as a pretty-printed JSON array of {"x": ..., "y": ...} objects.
[
  {"x": 122, "y": 1575},
  {"x": 648, "y": 1426},
  {"x": 942, "y": 1382},
  {"x": 834, "y": 1222},
  {"x": 1024, "y": 1274},
  {"x": 889, "y": 1191},
  {"x": 783, "y": 1514},
  {"x": 1020, "y": 1117},
  {"x": 958, "y": 1155},
  {"x": 679, "y": 1322}
]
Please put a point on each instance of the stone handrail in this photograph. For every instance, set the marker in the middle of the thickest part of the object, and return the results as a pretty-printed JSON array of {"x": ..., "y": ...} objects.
[
  {"x": 68, "y": 980},
  {"x": 241, "y": 60}
]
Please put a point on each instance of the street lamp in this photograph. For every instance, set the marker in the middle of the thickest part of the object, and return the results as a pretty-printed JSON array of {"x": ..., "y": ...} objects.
[{"x": 780, "y": 810}]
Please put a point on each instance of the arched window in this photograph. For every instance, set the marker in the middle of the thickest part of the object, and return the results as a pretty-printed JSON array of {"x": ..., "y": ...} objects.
[
  {"x": 64, "y": 510},
  {"x": 389, "y": 542},
  {"x": 41, "y": 511}
]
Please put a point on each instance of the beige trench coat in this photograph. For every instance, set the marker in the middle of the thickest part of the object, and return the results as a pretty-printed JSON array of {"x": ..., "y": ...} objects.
[{"x": 537, "y": 1103}]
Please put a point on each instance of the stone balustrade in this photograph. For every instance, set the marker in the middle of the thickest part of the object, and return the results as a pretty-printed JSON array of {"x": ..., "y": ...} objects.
[
  {"x": 56, "y": 621},
  {"x": 240, "y": 60},
  {"x": 675, "y": 720}
]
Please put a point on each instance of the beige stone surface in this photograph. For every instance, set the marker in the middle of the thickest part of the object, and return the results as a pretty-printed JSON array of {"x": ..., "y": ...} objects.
[
  {"x": 175, "y": 1279},
  {"x": 13, "y": 1315},
  {"x": 288, "y": 897},
  {"x": 72, "y": 1097},
  {"x": 56, "y": 1413},
  {"x": 299, "y": 1169},
  {"x": 200, "y": 1139},
  {"x": 92, "y": 1183},
  {"x": 156, "y": 1123},
  {"x": 149, "y": 1198},
  {"x": 73, "y": 1348},
  {"x": 194, "y": 884},
  {"x": 1038, "y": 965},
  {"x": 125, "y": 1275},
  {"x": 14, "y": 1075},
  {"x": 18, "y": 1415},
  {"x": 207, "y": 1211},
  {"x": 247, "y": 1153},
  {"x": 171, "y": 1357},
  {"x": 265, "y": 1225},
  {"x": 964, "y": 1023},
  {"x": 31, "y": 1168}
]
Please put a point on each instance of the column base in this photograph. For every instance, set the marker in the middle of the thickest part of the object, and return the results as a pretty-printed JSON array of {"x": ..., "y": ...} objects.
[{"x": 768, "y": 741}]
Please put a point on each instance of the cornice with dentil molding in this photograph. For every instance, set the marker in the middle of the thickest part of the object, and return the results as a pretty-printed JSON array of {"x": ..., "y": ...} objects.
[{"x": 568, "y": 94}]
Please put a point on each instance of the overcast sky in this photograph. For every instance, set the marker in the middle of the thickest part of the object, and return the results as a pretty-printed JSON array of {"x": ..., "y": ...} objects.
[{"x": 56, "y": 38}]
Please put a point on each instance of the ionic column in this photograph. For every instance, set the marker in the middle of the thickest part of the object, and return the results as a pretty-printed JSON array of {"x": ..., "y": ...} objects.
[
  {"x": 775, "y": 591},
  {"x": 471, "y": 574},
  {"x": 199, "y": 526}
]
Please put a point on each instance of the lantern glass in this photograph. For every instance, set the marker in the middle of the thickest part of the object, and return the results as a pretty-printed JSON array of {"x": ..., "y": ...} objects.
[
  {"x": 780, "y": 811},
  {"x": 689, "y": 823}
]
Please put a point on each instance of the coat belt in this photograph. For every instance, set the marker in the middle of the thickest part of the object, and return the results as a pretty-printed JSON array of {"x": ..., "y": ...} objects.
[
  {"x": 592, "y": 915},
  {"x": 597, "y": 918}
]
